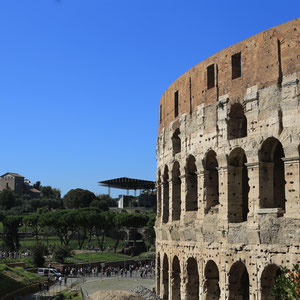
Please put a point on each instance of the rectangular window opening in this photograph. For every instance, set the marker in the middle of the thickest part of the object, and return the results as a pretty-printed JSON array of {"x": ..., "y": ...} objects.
[
  {"x": 176, "y": 104},
  {"x": 211, "y": 76},
  {"x": 160, "y": 113},
  {"x": 236, "y": 64}
]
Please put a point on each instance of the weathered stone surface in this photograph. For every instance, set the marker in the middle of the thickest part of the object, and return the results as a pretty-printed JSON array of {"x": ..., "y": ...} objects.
[{"x": 228, "y": 171}]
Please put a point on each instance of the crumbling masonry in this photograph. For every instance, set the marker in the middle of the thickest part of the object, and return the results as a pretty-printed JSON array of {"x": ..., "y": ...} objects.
[{"x": 228, "y": 171}]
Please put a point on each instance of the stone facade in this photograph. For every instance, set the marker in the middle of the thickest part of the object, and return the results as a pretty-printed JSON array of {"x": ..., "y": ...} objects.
[{"x": 228, "y": 169}]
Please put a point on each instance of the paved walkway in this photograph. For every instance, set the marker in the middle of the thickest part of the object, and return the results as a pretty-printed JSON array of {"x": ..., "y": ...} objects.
[{"x": 91, "y": 285}]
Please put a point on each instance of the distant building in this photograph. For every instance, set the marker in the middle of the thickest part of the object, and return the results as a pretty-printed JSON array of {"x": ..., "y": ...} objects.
[
  {"x": 13, "y": 182},
  {"x": 18, "y": 184}
]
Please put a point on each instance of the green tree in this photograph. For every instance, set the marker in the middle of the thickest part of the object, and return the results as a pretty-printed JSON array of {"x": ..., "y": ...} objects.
[
  {"x": 50, "y": 192},
  {"x": 77, "y": 198},
  {"x": 11, "y": 225},
  {"x": 33, "y": 221},
  {"x": 287, "y": 284},
  {"x": 39, "y": 251},
  {"x": 7, "y": 199},
  {"x": 61, "y": 252},
  {"x": 100, "y": 204}
]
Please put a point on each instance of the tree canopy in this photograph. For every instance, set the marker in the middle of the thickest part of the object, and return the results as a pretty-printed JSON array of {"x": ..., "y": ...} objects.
[{"x": 77, "y": 198}]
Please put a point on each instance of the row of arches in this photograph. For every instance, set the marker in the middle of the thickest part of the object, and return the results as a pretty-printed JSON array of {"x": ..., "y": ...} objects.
[
  {"x": 168, "y": 282},
  {"x": 271, "y": 183},
  {"x": 236, "y": 127}
]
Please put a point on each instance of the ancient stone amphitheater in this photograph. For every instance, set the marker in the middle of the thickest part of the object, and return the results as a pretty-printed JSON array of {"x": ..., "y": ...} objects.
[{"x": 228, "y": 171}]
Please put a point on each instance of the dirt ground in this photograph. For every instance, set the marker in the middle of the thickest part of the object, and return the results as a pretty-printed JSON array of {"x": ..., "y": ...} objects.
[{"x": 115, "y": 295}]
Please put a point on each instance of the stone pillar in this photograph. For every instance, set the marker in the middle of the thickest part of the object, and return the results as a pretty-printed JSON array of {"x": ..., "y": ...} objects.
[
  {"x": 253, "y": 175},
  {"x": 201, "y": 195},
  {"x": 183, "y": 198},
  {"x": 223, "y": 197},
  {"x": 291, "y": 169},
  {"x": 159, "y": 199}
]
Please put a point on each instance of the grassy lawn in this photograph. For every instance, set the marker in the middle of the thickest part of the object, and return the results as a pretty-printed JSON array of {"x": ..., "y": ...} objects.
[
  {"x": 14, "y": 278},
  {"x": 106, "y": 256}
]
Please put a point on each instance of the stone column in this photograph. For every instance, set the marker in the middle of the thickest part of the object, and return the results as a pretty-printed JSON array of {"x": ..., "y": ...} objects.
[
  {"x": 201, "y": 195},
  {"x": 291, "y": 169},
  {"x": 223, "y": 196},
  {"x": 266, "y": 188},
  {"x": 183, "y": 198}
]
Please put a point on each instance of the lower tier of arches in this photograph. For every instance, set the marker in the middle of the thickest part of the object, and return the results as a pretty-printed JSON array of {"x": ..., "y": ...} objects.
[{"x": 232, "y": 274}]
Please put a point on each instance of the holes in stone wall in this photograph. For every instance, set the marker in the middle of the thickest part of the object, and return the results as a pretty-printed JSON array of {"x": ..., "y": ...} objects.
[
  {"x": 176, "y": 192},
  {"x": 176, "y": 142},
  {"x": 191, "y": 185},
  {"x": 210, "y": 76},
  {"x": 192, "y": 286},
  {"x": 238, "y": 187},
  {"x": 175, "y": 277},
  {"x": 211, "y": 181},
  {"x": 238, "y": 282},
  {"x": 166, "y": 195},
  {"x": 236, "y": 65},
  {"x": 271, "y": 175},
  {"x": 237, "y": 124}
]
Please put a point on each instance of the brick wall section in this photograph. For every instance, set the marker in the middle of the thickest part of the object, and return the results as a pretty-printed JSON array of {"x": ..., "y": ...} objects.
[{"x": 260, "y": 66}]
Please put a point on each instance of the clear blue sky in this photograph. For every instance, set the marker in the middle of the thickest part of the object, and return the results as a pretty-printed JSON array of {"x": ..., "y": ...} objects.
[{"x": 80, "y": 80}]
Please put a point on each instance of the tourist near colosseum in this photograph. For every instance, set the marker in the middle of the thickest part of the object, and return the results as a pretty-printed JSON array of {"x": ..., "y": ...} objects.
[{"x": 228, "y": 171}]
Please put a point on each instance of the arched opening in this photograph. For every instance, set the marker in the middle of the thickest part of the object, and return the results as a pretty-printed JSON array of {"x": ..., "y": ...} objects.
[
  {"x": 211, "y": 181},
  {"x": 237, "y": 124},
  {"x": 165, "y": 279},
  {"x": 238, "y": 186},
  {"x": 211, "y": 285},
  {"x": 166, "y": 195},
  {"x": 158, "y": 275},
  {"x": 176, "y": 142},
  {"x": 267, "y": 281},
  {"x": 192, "y": 286},
  {"x": 175, "y": 279},
  {"x": 238, "y": 282},
  {"x": 271, "y": 175},
  {"x": 191, "y": 185},
  {"x": 158, "y": 187},
  {"x": 176, "y": 192}
]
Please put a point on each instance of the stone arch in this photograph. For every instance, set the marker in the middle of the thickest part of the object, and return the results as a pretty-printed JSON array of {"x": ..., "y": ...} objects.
[
  {"x": 192, "y": 286},
  {"x": 271, "y": 174},
  {"x": 191, "y": 201},
  {"x": 211, "y": 180},
  {"x": 176, "y": 142},
  {"x": 238, "y": 282},
  {"x": 165, "y": 211},
  {"x": 165, "y": 278},
  {"x": 176, "y": 192},
  {"x": 175, "y": 279},
  {"x": 267, "y": 281},
  {"x": 237, "y": 124},
  {"x": 238, "y": 186},
  {"x": 211, "y": 285},
  {"x": 158, "y": 275},
  {"x": 158, "y": 187}
]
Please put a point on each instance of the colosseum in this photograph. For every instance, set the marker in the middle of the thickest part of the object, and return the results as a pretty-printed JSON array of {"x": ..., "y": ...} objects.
[{"x": 228, "y": 172}]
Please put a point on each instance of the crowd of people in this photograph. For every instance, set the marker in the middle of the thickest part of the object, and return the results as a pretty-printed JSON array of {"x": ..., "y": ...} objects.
[
  {"x": 122, "y": 271},
  {"x": 13, "y": 254}
]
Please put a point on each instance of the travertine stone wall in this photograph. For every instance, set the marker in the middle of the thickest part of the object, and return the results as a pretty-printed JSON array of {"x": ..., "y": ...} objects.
[{"x": 228, "y": 172}]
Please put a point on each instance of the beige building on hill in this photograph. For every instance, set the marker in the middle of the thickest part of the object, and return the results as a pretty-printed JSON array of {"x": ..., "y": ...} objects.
[
  {"x": 228, "y": 172},
  {"x": 13, "y": 182}
]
